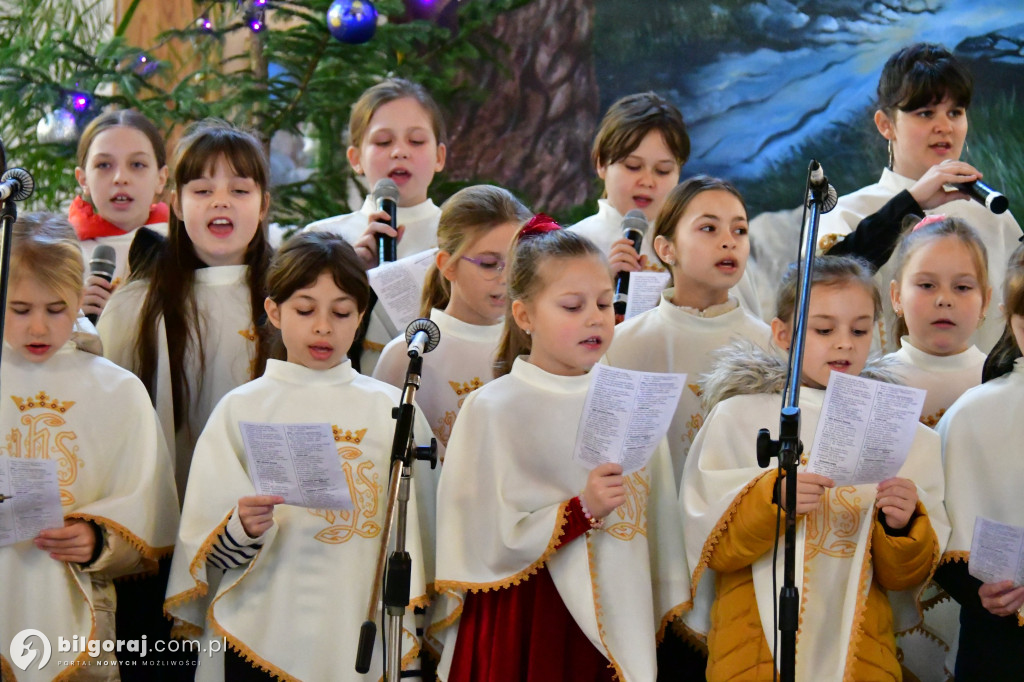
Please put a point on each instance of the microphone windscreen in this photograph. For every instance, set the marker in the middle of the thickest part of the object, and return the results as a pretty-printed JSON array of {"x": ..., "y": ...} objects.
[
  {"x": 385, "y": 189},
  {"x": 103, "y": 262},
  {"x": 26, "y": 184},
  {"x": 429, "y": 327},
  {"x": 635, "y": 220}
]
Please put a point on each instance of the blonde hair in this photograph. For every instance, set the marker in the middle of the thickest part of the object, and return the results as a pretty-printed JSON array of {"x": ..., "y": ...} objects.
[
  {"x": 44, "y": 247},
  {"x": 914, "y": 239},
  {"x": 388, "y": 91},
  {"x": 467, "y": 216},
  {"x": 528, "y": 256},
  {"x": 1000, "y": 360}
]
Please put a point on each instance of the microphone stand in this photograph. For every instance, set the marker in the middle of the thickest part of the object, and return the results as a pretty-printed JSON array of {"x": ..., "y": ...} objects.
[
  {"x": 8, "y": 214},
  {"x": 399, "y": 565},
  {"x": 788, "y": 447}
]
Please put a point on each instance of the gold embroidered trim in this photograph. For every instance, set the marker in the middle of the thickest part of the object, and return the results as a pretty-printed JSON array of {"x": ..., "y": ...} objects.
[
  {"x": 248, "y": 654},
  {"x": 953, "y": 556},
  {"x": 719, "y": 530},
  {"x": 146, "y": 550},
  {"x": 448, "y": 620},
  {"x": 931, "y": 603},
  {"x": 201, "y": 587},
  {"x": 257, "y": 661},
  {"x": 920, "y": 629},
  {"x": 443, "y": 586},
  {"x": 863, "y": 588},
  {"x": 804, "y": 596},
  {"x": 673, "y": 614},
  {"x": 690, "y": 637},
  {"x": 420, "y": 602},
  {"x": 617, "y": 673}
]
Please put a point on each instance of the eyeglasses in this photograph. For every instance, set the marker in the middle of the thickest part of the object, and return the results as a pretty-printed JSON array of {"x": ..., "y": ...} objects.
[{"x": 491, "y": 266}]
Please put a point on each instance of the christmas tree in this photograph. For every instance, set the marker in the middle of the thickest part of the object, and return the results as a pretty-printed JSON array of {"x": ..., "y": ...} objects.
[{"x": 61, "y": 63}]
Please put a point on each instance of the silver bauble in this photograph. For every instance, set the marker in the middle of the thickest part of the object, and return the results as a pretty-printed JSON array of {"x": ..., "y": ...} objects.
[{"x": 57, "y": 127}]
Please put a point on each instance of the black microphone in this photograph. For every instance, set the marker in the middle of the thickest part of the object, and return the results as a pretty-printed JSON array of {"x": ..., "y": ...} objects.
[
  {"x": 634, "y": 225},
  {"x": 16, "y": 184},
  {"x": 818, "y": 182},
  {"x": 422, "y": 335},
  {"x": 993, "y": 200},
  {"x": 385, "y": 194},
  {"x": 102, "y": 264}
]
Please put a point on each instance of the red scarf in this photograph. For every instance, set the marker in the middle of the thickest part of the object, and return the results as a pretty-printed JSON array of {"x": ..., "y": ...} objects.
[{"x": 89, "y": 225}]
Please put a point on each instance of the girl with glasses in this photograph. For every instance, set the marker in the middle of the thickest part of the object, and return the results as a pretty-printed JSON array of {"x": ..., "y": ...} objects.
[{"x": 464, "y": 294}]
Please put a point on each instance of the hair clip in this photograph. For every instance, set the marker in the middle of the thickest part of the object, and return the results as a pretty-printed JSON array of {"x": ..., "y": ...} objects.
[
  {"x": 539, "y": 224},
  {"x": 929, "y": 220}
]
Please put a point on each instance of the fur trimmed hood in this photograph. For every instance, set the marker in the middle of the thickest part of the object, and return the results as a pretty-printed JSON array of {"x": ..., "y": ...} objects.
[{"x": 744, "y": 368}]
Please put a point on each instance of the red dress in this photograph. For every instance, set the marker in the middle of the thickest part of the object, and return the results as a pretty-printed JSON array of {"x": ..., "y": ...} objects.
[{"x": 524, "y": 633}]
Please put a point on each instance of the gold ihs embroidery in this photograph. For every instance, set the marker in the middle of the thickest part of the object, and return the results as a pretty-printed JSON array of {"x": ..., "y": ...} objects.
[
  {"x": 443, "y": 430},
  {"x": 250, "y": 336},
  {"x": 692, "y": 427},
  {"x": 832, "y": 529},
  {"x": 932, "y": 420},
  {"x": 696, "y": 389},
  {"x": 464, "y": 389},
  {"x": 364, "y": 485},
  {"x": 42, "y": 438},
  {"x": 630, "y": 518}
]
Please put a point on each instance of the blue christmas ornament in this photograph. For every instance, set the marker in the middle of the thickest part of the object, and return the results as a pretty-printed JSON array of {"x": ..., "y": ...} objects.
[{"x": 352, "y": 21}]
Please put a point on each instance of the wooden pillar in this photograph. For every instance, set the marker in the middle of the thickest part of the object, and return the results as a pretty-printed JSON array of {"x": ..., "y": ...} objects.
[{"x": 153, "y": 17}]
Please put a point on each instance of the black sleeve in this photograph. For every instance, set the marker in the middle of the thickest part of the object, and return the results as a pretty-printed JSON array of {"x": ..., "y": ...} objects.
[
  {"x": 953, "y": 577},
  {"x": 876, "y": 235}
]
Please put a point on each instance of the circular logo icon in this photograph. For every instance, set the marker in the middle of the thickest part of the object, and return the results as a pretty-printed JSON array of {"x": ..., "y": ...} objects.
[{"x": 24, "y": 650}]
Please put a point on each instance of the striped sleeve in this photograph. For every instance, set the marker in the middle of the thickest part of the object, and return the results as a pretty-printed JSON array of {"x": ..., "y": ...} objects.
[{"x": 233, "y": 547}]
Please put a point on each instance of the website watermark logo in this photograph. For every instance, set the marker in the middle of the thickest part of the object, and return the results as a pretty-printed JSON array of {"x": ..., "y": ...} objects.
[{"x": 24, "y": 649}]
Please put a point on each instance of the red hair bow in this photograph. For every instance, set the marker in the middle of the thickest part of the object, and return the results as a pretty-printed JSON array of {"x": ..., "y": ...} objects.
[{"x": 539, "y": 224}]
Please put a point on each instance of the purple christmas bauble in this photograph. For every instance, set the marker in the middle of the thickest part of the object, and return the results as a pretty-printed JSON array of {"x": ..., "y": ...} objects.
[{"x": 352, "y": 21}]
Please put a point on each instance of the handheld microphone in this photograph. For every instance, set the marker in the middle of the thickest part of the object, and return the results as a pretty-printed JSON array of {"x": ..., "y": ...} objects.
[
  {"x": 102, "y": 264},
  {"x": 634, "y": 225},
  {"x": 992, "y": 199},
  {"x": 385, "y": 194},
  {"x": 422, "y": 335},
  {"x": 16, "y": 184}
]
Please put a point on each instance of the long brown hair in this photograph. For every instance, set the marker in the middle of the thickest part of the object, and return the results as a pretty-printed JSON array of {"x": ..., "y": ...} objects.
[
  {"x": 529, "y": 254},
  {"x": 171, "y": 293},
  {"x": 468, "y": 215}
]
